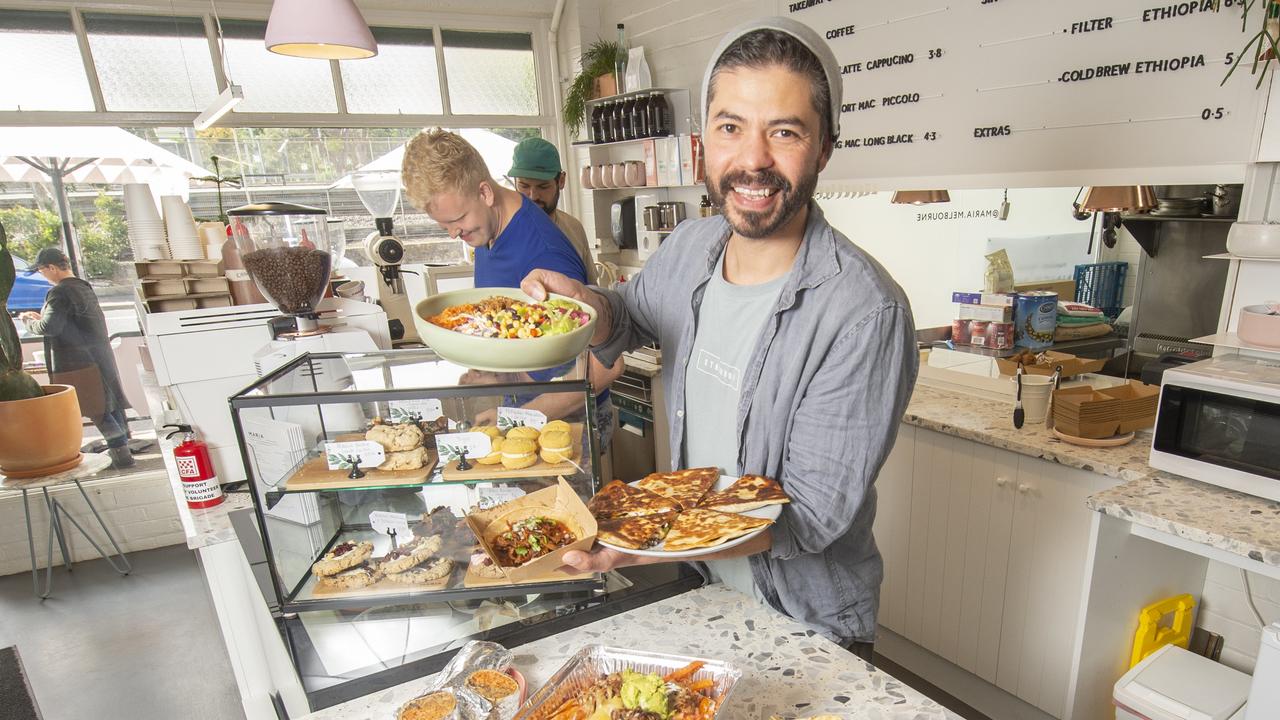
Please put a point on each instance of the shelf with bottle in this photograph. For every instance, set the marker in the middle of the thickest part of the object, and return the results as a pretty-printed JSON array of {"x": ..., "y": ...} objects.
[{"x": 639, "y": 115}]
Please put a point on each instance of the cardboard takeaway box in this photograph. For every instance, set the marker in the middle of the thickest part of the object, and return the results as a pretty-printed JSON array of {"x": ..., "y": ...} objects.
[
  {"x": 1088, "y": 413},
  {"x": 559, "y": 500},
  {"x": 1071, "y": 365}
]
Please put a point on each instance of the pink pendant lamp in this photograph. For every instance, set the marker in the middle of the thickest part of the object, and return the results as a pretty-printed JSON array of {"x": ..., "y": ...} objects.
[{"x": 323, "y": 29}]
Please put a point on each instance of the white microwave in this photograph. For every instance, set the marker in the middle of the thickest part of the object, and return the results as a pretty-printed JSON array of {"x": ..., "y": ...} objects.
[{"x": 1219, "y": 422}]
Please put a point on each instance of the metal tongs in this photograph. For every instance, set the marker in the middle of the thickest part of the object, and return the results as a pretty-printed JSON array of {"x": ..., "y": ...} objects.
[
  {"x": 1055, "y": 381},
  {"x": 1019, "y": 415}
]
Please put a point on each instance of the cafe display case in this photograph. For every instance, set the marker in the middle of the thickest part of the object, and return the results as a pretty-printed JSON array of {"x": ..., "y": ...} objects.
[{"x": 364, "y": 467}]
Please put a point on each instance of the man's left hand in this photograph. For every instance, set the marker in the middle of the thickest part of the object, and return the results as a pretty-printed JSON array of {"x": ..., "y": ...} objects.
[
  {"x": 601, "y": 559},
  {"x": 29, "y": 316}
]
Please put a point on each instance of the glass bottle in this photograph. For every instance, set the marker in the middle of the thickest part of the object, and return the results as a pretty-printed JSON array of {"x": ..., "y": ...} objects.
[
  {"x": 606, "y": 121},
  {"x": 660, "y": 120},
  {"x": 628, "y": 127},
  {"x": 705, "y": 208},
  {"x": 620, "y": 59},
  {"x": 597, "y": 131},
  {"x": 615, "y": 121},
  {"x": 640, "y": 117}
]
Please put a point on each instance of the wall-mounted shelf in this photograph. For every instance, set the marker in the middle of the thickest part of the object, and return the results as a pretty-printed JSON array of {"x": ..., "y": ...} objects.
[
  {"x": 1229, "y": 256},
  {"x": 1175, "y": 218},
  {"x": 1232, "y": 340},
  {"x": 650, "y": 187},
  {"x": 637, "y": 141}
]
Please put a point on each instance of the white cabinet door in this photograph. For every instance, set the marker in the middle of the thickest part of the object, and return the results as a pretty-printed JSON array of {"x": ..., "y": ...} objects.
[
  {"x": 1048, "y": 550},
  {"x": 986, "y": 564},
  {"x": 892, "y": 527}
]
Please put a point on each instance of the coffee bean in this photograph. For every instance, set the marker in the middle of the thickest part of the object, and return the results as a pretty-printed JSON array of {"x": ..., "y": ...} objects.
[{"x": 293, "y": 278}]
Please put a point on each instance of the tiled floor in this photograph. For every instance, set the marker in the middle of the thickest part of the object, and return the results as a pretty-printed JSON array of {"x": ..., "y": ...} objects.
[{"x": 142, "y": 647}]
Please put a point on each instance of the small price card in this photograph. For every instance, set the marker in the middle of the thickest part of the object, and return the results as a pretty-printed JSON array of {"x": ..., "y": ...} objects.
[
  {"x": 427, "y": 409},
  {"x": 515, "y": 417},
  {"x": 370, "y": 453},
  {"x": 451, "y": 445},
  {"x": 385, "y": 522},
  {"x": 493, "y": 496}
]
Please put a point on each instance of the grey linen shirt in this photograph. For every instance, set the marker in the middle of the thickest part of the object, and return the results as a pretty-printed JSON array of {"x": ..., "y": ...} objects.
[{"x": 821, "y": 400}]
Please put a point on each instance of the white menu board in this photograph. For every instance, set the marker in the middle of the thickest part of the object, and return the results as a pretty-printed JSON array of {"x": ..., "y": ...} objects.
[{"x": 992, "y": 93}]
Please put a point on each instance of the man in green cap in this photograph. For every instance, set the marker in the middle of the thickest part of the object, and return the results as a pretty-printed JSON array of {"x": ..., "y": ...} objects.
[{"x": 536, "y": 172}]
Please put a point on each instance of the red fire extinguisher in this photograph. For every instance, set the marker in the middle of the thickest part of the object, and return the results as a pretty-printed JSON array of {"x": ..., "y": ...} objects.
[{"x": 195, "y": 468}]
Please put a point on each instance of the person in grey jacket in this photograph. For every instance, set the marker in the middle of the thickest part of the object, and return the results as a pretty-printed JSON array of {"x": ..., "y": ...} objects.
[{"x": 787, "y": 350}]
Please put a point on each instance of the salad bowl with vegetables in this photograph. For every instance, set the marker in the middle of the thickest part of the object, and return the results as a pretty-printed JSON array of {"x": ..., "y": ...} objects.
[{"x": 503, "y": 329}]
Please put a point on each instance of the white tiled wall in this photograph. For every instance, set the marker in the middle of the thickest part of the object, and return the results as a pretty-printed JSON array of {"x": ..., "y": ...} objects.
[
  {"x": 1126, "y": 250},
  {"x": 1223, "y": 610},
  {"x": 140, "y": 511}
]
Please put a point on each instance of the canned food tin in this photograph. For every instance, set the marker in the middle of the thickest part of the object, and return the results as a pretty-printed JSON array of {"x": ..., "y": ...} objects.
[
  {"x": 978, "y": 332},
  {"x": 1000, "y": 335},
  {"x": 960, "y": 332},
  {"x": 1035, "y": 315}
]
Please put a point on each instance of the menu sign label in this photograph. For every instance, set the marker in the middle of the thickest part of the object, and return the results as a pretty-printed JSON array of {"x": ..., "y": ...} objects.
[{"x": 796, "y": 7}]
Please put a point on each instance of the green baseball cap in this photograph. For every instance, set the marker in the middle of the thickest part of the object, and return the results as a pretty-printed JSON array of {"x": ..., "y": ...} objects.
[{"x": 535, "y": 158}]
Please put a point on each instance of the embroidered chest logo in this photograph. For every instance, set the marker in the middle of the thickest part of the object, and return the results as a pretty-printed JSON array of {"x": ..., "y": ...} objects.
[{"x": 726, "y": 374}]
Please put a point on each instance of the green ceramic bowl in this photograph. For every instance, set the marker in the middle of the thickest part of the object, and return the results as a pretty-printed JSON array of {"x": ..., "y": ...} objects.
[{"x": 498, "y": 354}]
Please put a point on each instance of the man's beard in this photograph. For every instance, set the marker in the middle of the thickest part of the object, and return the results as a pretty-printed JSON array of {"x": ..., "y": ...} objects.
[
  {"x": 550, "y": 209},
  {"x": 758, "y": 225}
]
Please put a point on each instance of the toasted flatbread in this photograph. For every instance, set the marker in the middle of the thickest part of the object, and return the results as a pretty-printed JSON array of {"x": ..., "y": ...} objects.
[
  {"x": 700, "y": 528},
  {"x": 686, "y": 487},
  {"x": 637, "y": 533},
  {"x": 619, "y": 500},
  {"x": 746, "y": 493}
]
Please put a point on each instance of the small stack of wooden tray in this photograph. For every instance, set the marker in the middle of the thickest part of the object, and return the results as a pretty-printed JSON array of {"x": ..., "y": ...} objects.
[
  {"x": 1088, "y": 413},
  {"x": 169, "y": 285}
]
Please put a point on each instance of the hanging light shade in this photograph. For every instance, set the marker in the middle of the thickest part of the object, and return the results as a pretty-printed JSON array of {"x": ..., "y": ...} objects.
[
  {"x": 920, "y": 197},
  {"x": 322, "y": 29},
  {"x": 1118, "y": 198}
]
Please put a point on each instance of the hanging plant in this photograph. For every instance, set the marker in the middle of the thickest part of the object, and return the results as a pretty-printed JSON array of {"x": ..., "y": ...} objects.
[
  {"x": 596, "y": 61},
  {"x": 1262, "y": 46}
]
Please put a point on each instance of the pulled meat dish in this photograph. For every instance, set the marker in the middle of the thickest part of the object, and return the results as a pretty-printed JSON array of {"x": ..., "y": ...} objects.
[{"x": 529, "y": 539}]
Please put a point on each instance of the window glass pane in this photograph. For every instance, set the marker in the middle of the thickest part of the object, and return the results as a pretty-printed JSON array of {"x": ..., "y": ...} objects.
[
  {"x": 402, "y": 78},
  {"x": 152, "y": 63},
  {"x": 490, "y": 73},
  {"x": 271, "y": 82},
  {"x": 41, "y": 64}
]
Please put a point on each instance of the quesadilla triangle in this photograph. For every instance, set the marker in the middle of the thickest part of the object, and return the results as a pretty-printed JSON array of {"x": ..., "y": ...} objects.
[
  {"x": 686, "y": 487},
  {"x": 700, "y": 528},
  {"x": 746, "y": 493},
  {"x": 637, "y": 533},
  {"x": 618, "y": 500}
]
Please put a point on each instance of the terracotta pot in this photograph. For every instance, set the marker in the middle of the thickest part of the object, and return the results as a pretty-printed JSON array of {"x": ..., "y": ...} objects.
[
  {"x": 40, "y": 436},
  {"x": 604, "y": 86}
]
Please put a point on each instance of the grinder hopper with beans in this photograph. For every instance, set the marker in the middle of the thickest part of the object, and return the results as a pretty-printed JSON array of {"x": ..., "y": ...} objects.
[{"x": 287, "y": 251}]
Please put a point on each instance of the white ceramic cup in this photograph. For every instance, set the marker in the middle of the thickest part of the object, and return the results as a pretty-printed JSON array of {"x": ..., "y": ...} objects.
[
  {"x": 1036, "y": 391},
  {"x": 597, "y": 176},
  {"x": 634, "y": 173},
  {"x": 585, "y": 177},
  {"x": 620, "y": 175}
]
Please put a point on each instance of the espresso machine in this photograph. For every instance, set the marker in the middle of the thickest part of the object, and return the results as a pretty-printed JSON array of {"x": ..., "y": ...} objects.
[{"x": 379, "y": 190}]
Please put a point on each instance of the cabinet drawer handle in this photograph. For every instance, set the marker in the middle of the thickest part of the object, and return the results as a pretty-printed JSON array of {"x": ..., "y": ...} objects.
[
  {"x": 1001, "y": 482},
  {"x": 1024, "y": 488}
]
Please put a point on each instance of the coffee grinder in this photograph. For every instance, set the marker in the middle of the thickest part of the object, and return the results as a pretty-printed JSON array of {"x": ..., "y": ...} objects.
[{"x": 379, "y": 190}]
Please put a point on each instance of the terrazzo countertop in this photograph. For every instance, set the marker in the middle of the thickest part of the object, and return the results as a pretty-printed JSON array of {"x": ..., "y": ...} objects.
[
  {"x": 990, "y": 422},
  {"x": 1237, "y": 523},
  {"x": 786, "y": 669}
]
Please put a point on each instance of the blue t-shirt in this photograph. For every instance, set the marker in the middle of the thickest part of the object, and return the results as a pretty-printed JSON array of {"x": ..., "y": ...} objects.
[{"x": 531, "y": 241}]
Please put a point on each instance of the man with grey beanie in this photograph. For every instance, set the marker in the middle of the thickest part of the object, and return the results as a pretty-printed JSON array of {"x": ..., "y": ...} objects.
[{"x": 787, "y": 351}]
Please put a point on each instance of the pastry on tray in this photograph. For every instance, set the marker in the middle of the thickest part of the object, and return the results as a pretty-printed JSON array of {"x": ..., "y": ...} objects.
[
  {"x": 491, "y": 430},
  {"x": 410, "y": 554},
  {"x": 395, "y": 438},
  {"x": 556, "y": 425},
  {"x": 518, "y": 453},
  {"x": 495, "y": 452},
  {"x": 523, "y": 431},
  {"x": 353, "y": 578},
  {"x": 413, "y": 459},
  {"x": 483, "y": 566},
  {"x": 436, "y": 569},
  {"x": 342, "y": 556},
  {"x": 556, "y": 447}
]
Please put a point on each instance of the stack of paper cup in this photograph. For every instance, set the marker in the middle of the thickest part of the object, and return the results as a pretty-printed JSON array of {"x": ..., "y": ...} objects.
[
  {"x": 146, "y": 230},
  {"x": 184, "y": 242},
  {"x": 212, "y": 236}
]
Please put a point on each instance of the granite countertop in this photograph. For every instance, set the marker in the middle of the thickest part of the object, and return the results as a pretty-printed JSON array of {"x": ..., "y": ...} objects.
[
  {"x": 1235, "y": 522},
  {"x": 990, "y": 422},
  {"x": 786, "y": 669}
]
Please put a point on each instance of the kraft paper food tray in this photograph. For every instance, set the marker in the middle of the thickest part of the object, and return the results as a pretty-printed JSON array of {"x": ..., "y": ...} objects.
[
  {"x": 565, "y": 502},
  {"x": 1071, "y": 365}
]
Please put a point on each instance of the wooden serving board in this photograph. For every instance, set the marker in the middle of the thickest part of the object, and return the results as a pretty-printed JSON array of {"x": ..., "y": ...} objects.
[
  {"x": 472, "y": 580},
  {"x": 499, "y": 472},
  {"x": 316, "y": 475},
  {"x": 382, "y": 587}
]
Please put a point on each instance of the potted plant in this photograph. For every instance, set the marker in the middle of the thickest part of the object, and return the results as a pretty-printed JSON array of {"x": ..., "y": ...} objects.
[
  {"x": 40, "y": 430},
  {"x": 594, "y": 79}
]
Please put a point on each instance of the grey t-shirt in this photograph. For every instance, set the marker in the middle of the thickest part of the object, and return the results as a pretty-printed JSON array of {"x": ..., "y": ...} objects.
[{"x": 729, "y": 322}]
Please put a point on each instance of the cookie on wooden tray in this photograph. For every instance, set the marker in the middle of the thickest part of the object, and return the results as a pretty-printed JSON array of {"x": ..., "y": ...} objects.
[
  {"x": 410, "y": 554},
  {"x": 342, "y": 556},
  {"x": 406, "y": 460},
  {"x": 437, "y": 569},
  {"x": 395, "y": 438},
  {"x": 353, "y": 578}
]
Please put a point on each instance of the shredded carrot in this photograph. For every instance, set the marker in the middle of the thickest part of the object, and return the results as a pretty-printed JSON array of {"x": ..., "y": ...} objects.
[
  {"x": 684, "y": 672},
  {"x": 701, "y": 685}
]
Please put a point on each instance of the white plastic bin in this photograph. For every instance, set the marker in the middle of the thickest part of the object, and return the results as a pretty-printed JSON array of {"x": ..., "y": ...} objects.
[{"x": 1175, "y": 684}]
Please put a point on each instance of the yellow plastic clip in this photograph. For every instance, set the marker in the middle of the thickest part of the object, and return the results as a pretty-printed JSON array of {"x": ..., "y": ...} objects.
[{"x": 1152, "y": 636}]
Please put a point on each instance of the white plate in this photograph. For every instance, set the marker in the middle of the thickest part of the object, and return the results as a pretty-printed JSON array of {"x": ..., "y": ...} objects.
[{"x": 768, "y": 512}]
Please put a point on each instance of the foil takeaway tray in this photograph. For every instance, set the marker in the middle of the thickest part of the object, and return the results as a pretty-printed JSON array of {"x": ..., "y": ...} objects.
[{"x": 595, "y": 661}]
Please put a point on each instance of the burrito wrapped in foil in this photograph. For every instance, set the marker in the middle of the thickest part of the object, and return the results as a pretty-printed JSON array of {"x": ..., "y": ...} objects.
[{"x": 476, "y": 678}]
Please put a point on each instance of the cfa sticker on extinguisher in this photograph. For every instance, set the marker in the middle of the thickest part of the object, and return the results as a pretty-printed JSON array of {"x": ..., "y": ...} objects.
[{"x": 188, "y": 467}]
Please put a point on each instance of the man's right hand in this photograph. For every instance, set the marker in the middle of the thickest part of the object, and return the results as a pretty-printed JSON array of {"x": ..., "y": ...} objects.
[{"x": 539, "y": 283}]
